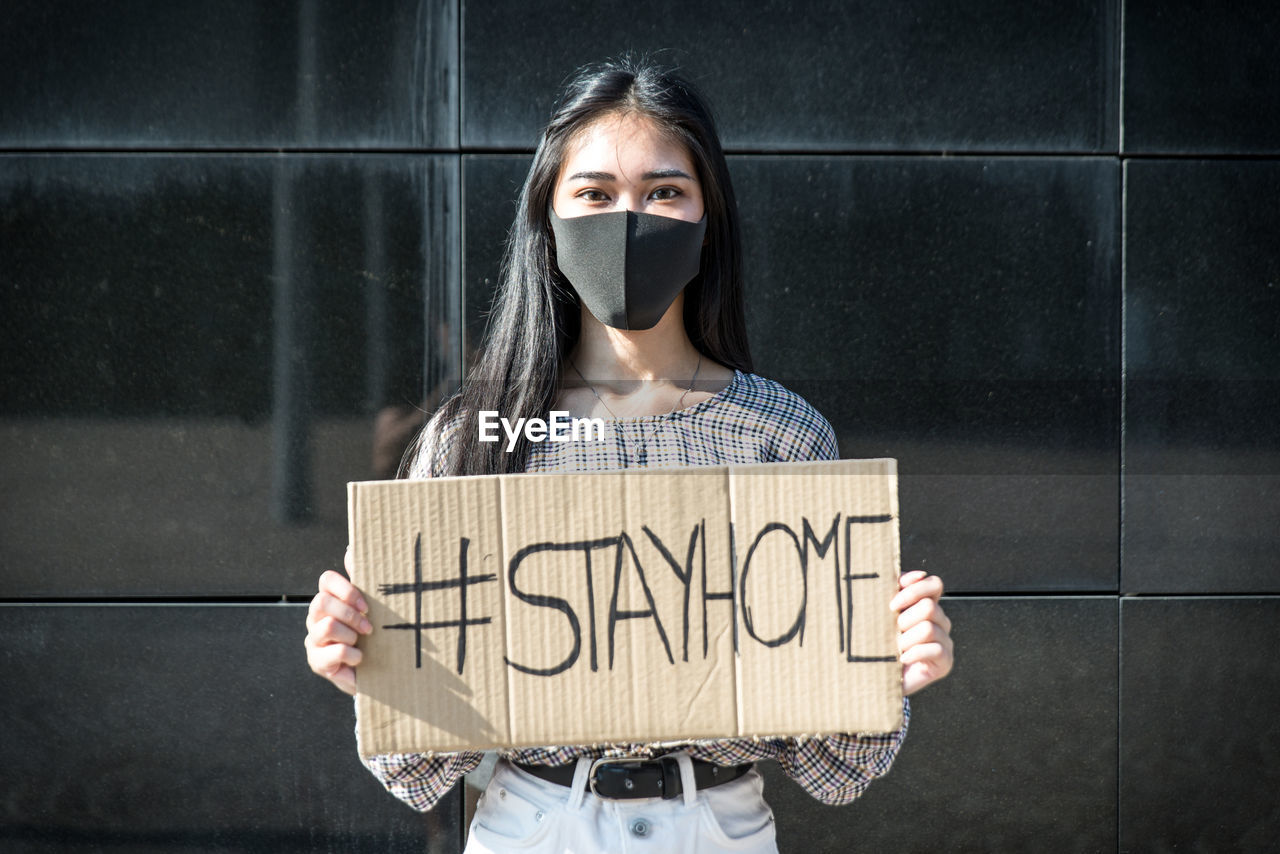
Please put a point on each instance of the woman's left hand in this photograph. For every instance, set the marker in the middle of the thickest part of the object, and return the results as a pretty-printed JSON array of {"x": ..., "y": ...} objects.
[{"x": 924, "y": 631}]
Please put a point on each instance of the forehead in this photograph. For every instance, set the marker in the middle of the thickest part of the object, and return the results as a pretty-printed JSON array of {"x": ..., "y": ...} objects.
[{"x": 625, "y": 140}]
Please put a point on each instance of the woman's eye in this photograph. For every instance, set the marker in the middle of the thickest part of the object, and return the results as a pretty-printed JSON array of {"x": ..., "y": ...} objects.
[
  {"x": 592, "y": 196},
  {"x": 665, "y": 193}
]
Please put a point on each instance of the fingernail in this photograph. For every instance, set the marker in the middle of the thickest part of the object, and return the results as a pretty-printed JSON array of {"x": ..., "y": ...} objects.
[
  {"x": 362, "y": 606},
  {"x": 366, "y": 627}
]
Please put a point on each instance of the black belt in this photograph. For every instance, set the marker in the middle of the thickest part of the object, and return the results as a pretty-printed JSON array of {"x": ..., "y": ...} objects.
[{"x": 639, "y": 778}]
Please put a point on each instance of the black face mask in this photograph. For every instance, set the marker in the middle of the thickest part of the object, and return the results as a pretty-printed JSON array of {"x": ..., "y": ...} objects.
[{"x": 628, "y": 267}]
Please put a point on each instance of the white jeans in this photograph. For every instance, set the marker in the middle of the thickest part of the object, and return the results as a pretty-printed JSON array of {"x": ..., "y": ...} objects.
[{"x": 520, "y": 812}]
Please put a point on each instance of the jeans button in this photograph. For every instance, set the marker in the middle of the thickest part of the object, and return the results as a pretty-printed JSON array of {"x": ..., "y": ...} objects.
[{"x": 640, "y": 828}]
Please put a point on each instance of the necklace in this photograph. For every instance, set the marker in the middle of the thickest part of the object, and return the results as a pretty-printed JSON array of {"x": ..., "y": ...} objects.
[{"x": 641, "y": 455}]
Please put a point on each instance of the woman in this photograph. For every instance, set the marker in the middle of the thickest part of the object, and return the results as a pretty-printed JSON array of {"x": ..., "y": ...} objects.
[{"x": 621, "y": 298}]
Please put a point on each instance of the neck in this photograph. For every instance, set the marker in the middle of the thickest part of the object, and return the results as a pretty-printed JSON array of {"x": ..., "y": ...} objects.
[{"x": 663, "y": 353}]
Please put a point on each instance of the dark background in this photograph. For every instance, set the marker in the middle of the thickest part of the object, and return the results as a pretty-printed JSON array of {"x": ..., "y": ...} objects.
[{"x": 1029, "y": 249}]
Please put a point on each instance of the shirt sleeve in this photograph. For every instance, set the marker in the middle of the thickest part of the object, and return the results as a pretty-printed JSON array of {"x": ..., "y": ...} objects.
[
  {"x": 800, "y": 431},
  {"x": 836, "y": 769},
  {"x": 421, "y": 779}
]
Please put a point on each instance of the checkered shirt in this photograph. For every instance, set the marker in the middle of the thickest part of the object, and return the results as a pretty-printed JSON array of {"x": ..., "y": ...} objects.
[{"x": 751, "y": 420}]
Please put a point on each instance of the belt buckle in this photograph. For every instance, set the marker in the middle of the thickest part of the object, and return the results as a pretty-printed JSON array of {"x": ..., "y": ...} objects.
[{"x": 611, "y": 760}]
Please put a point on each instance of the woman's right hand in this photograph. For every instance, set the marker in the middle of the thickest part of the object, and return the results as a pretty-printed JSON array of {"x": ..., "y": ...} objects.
[{"x": 336, "y": 618}]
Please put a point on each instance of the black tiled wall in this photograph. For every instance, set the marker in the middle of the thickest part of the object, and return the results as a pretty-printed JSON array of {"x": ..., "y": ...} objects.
[
  {"x": 1199, "y": 737},
  {"x": 1015, "y": 752},
  {"x": 1028, "y": 249},
  {"x": 312, "y": 73},
  {"x": 857, "y": 76},
  {"x": 1201, "y": 78},
  {"x": 184, "y": 727},
  {"x": 1202, "y": 332}
]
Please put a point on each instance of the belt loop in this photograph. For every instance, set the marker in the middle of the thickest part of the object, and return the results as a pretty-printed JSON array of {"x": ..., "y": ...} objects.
[
  {"x": 687, "y": 780},
  {"x": 578, "y": 789}
]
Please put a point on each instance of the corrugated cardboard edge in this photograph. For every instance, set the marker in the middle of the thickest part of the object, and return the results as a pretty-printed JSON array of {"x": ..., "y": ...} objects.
[
  {"x": 360, "y": 704},
  {"x": 733, "y": 580},
  {"x": 351, "y": 538},
  {"x": 506, "y": 596},
  {"x": 891, "y": 466}
]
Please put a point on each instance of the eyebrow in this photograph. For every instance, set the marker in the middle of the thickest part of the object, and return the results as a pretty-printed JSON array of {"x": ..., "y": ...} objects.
[{"x": 648, "y": 176}]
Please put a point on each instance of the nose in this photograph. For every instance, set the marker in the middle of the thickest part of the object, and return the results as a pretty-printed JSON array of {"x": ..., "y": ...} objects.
[{"x": 632, "y": 202}]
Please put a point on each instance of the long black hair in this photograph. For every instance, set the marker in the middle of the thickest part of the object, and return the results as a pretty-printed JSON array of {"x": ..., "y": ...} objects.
[{"x": 535, "y": 318}]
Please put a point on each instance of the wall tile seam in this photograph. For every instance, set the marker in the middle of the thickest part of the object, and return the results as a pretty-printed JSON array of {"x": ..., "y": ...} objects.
[
  {"x": 155, "y": 602},
  {"x": 947, "y": 154},
  {"x": 1208, "y": 156},
  {"x": 923, "y": 154},
  {"x": 1197, "y": 596},
  {"x": 1122, "y": 444},
  {"x": 1029, "y": 594},
  {"x": 246, "y": 151}
]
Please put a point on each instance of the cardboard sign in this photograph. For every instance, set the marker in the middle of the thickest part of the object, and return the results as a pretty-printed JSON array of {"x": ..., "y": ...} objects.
[{"x": 634, "y": 606}]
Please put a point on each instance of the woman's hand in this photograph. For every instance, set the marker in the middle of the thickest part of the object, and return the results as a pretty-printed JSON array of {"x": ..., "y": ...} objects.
[
  {"x": 924, "y": 631},
  {"x": 334, "y": 621}
]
